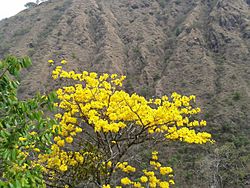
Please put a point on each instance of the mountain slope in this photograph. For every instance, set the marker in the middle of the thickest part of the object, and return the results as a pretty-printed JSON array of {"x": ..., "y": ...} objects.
[{"x": 196, "y": 47}]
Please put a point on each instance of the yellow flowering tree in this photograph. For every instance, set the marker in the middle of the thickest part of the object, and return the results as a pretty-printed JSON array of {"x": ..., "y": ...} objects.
[{"x": 99, "y": 123}]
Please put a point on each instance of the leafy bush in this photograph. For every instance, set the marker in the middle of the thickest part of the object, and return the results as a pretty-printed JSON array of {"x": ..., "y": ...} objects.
[
  {"x": 23, "y": 130},
  {"x": 30, "y": 5}
]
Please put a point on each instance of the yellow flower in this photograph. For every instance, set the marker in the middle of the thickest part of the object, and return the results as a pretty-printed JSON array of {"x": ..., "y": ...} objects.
[
  {"x": 78, "y": 129},
  {"x": 22, "y": 139},
  {"x": 60, "y": 143},
  {"x": 152, "y": 184},
  {"x": 125, "y": 181},
  {"x": 25, "y": 154},
  {"x": 92, "y": 75},
  {"x": 157, "y": 101},
  {"x": 36, "y": 149},
  {"x": 109, "y": 164},
  {"x": 58, "y": 116},
  {"x": 165, "y": 170},
  {"x": 50, "y": 61},
  {"x": 24, "y": 166},
  {"x": 171, "y": 182},
  {"x": 203, "y": 123},
  {"x": 106, "y": 186},
  {"x": 69, "y": 139},
  {"x": 150, "y": 131},
  {"x": 57, "y": 138},
  {"x": 137, "y": 184},
  {"x": 164, "y": 184},
  {"x": 152, "y": 163},
  {"x": 195, "y": 123},
  {"x": 63, "y": 62},
  {"x": 130, "y": 169},
  {"x": 155, "y": 153},
  {"x": 113, "y": 76},
  {"x": 143, "y": 179},
  {"x": 63, "y": 168},
  {"x": 79, "y": 158},
  {"x": 154, "y": 157},
  {"x": 73, "y": 133},
  {"x": 33, "y": 133}
]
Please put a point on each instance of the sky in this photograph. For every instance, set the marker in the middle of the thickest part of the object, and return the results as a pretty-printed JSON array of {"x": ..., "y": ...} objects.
[{"x": 9, "y": 8}]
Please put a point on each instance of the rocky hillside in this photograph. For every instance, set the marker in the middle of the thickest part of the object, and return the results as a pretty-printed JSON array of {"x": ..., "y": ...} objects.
[{"x": 199, "y": 47}]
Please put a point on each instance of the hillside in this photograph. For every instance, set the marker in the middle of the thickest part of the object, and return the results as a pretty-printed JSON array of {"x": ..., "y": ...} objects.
[{"x": 199, "y": 47}]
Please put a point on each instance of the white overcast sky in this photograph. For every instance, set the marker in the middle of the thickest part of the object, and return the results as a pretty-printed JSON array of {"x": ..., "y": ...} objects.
[{"x": 9, "y": 8}]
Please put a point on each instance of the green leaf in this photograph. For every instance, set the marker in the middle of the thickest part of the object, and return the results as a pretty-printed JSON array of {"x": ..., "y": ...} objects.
[
  {"x": 26, "y": 62},
  {"x": 11, "y": 185},
  {"x": 52, "y": 97},
  {"x": 13, "y": 154},
  {"x": 18, "y": 184}
]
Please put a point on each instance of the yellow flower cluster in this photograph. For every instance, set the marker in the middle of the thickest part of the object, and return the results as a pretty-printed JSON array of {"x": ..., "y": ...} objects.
[
  {"x": 125, "y": 167},
  {"x": 66, "y": 129},
  {"x": 108, "y": 109},
  {"x": 151, "y": 178},
  {"x": 127, "y": 181},
  {"x": 161, "y": 178},
  {"x": 60, "y": 159}
]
